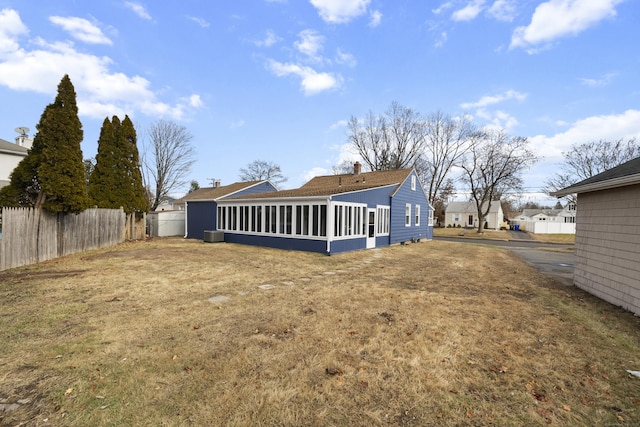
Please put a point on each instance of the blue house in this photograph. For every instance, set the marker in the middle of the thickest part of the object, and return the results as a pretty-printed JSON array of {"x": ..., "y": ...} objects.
[
  {"x": 331, "y": 214},
  {"x": 201, "y": 205}
]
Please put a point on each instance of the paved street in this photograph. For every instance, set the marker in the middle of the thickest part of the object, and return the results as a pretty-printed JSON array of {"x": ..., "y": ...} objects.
[{"x": 539, "y": 255}]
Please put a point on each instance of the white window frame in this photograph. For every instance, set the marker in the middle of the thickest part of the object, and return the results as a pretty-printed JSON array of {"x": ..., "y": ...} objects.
[
  {"x": 383, "y": 218},
  {"x": 407, "y": 215},
  {"x": 347, "y": 220},
  {"x": 417, "y": 215},
  {"x": 413, "y": 182},
  {"x": 430, "y": 217}
]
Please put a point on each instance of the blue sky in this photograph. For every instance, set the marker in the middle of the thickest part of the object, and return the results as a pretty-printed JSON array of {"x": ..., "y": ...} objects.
[{"x": 277, "y": 80}]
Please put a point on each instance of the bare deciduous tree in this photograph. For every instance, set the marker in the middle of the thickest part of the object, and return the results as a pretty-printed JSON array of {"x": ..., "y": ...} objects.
[
  {"x": 494, "y": 164},
  {"x": 167, "y": 160},
  {"x": 393, "y": 140},
  {"x": 260, "y": 169},
  {"x": 583, "y": 161},
  {"x": 447, "y": 139}
]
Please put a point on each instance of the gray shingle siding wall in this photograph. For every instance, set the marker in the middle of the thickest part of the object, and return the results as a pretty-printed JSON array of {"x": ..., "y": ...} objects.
[{"x": 608, "y": 245}]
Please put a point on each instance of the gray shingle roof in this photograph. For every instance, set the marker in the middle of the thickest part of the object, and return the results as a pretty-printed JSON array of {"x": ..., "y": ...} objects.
[
  {"x": 336, "y": 184},
  {"x": 625, "y": 174},
  {"x": 9, "y": 147},
  {"x": 214, "y": 193}
]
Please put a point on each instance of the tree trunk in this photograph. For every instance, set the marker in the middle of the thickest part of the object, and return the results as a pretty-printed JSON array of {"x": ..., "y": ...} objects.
[{"x": 481, "y": 220}]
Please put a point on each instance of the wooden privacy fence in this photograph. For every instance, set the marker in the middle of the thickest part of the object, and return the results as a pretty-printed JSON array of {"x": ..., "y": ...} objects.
[{"x": 32, "y": 235}]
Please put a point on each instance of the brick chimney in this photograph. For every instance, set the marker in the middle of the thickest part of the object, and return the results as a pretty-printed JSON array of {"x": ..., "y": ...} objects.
[
  {"x": 216, "y": 184},
  {"x": 357, "y": 167}
]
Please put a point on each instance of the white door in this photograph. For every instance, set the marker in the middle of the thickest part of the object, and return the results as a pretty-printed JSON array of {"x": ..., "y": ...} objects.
[{"x": 371, "y": 229}]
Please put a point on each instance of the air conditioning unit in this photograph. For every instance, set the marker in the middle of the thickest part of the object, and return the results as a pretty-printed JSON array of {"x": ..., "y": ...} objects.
[{"x": 211, "y": 236}]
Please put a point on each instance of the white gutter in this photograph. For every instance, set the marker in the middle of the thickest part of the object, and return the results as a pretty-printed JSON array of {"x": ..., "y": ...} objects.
[
  {"x": 186, "y": 218},
  {"x": 329, "y": 222},
  {"x": 601, "y": 185}
]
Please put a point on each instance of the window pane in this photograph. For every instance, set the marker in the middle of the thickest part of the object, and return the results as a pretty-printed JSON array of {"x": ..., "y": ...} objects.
[
  {"x": 323, "y": 220},
  {"x": 289, "y": 218},
  {"x": 305, "y": 220},
  {"x": 282, "y": 220},
  {"x": 315, "y": 219},
  {"x": 259, "y": 219}
]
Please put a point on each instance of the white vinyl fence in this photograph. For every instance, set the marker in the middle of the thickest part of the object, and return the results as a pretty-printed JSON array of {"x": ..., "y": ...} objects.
[{"x": 547, "y": 227}]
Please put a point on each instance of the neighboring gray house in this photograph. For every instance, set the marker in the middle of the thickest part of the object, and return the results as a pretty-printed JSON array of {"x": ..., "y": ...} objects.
[
  {"x": 465, "y": 214},
  {"x": 564, "y": 215},
  {"x": 608, "y": 235},
  {"x": 10, "y": 155}
]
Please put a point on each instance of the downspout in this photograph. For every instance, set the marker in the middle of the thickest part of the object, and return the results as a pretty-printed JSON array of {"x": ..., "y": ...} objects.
[
  {"x": 329, "y": 220},
  {"x": 186, "y": 218}
]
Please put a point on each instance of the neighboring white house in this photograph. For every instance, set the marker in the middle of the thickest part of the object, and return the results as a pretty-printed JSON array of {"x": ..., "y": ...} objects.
[
  {"x": 465, "y": 214},
  {"x": 11, "y": 154},
  {"x": 607, "y": 244},
  {"x": 547, "y": 221}
]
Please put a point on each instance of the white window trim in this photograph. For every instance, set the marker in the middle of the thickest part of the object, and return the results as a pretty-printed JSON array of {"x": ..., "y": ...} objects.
[
  {"x": 413, "y": 182},
  {"x": 407, "y": 215},
  {"x": 383, "y": 220},
  {"x": 417, "y": 215}
]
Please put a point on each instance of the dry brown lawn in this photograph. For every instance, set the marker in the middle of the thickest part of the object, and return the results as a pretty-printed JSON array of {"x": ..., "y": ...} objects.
[{"x": 173, "y": 332}]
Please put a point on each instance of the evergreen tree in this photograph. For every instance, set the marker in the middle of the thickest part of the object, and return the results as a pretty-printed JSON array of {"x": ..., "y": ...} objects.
[
  {"x": 127, "y": 139},
  {"x": 51, "y": 176},
  {"x": 103, "y": 190},
  {"x": 116, "y": 180}
]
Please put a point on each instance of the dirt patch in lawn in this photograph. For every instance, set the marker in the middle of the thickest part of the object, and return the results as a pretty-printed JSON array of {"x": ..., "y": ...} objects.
[{"x": 433, "y": 333}]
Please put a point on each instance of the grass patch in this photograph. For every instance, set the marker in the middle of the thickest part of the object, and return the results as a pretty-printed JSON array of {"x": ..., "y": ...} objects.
[
  {"x": 566, "y": 239},
  {"x": 471, "y": 233},
  {"x": 420, "y": 334}
]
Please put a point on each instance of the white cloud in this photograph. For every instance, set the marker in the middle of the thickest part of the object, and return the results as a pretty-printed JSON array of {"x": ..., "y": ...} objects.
[
  {"x": 502, "y": 10},
  {"x": 487, "y": 100},
  {"x": 442, "y": 7},
  {"x": 101, "y": 91},
  {"x": 602, "y": 81},
  {"x": 469, "y": 12},
  {"x": 340, "y": 11},
  {"x": 312, "y": 82},
  {"x": 195, "y": 101},
  {"x": 441, "y": 40},
  {"x": 81, "y": 29},
  {"x": 11, "y": 27},
  {"x": 138, "y": 9},
  {"x": 310, "y": 44},
  {"x": 376, "y": 18},
  {"x": 238, "y": 124},
  {"x": 346, "y": 59},
  {"x": 313, "y": 172},
  {"x": 200, "y": 21},
  {"x": 339, "y": 124},
  {"x": 607, "y": 127},
  {"x": 269, "y": 40},
  {"x": 559, "y": 18}
]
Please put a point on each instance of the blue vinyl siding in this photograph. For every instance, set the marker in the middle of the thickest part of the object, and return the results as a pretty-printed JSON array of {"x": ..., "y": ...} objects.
[
  {"x": 399, "y": 231},
  {"x": 372, "y": 197},
  {"x": 264, "y": 187},
  {"x": 201, "y": 216},
  {"x": 288, "y": 243},
  {"x": 346, "y": 245}
]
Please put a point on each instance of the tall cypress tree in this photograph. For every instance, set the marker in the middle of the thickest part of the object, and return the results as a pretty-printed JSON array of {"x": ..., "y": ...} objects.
[
  {"x": 51, "y": 176},
  {"x": 116, "y": 180},
  {"x": 128, "y": 139},
  {"x": 103, "y": 189}
]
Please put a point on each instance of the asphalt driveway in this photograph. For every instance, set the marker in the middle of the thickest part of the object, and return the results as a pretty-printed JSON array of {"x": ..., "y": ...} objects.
[{"x": 545, "y": 257}]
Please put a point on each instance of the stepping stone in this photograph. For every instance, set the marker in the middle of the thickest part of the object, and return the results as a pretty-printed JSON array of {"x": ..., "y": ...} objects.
[
  {"x": 266, "y": 287},
  {"x": 219, "y": 298},
  {"x": 288, "y": 283},
  {"x": 329, "y": 273},
  {"x": 305, "y": 279}
]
